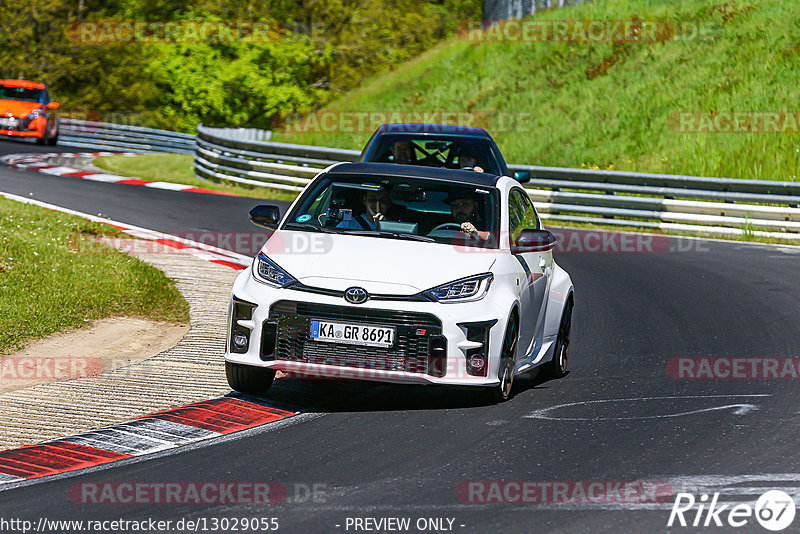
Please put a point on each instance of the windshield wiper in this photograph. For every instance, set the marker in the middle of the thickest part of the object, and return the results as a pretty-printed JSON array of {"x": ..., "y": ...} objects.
[
  {"x": 310, "y": 227},
  {"x": 396, "y": 235}
]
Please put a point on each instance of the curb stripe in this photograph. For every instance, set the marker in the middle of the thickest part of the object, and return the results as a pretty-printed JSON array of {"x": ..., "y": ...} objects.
[
  {"x": 168, "y": 430},
  {"x": 148, "y": 434},
  {"x": 36, "y": 162},
  {"x": 229, "y": 264},
  {"x": 36, "y": 461},
  {"x": 112, "y": 439},
  {"x": 210, "y": 191},
  {"x": 224, "y": 415}
]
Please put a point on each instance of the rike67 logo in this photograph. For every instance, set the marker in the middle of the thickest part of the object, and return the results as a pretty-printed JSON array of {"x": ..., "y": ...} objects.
[{"x": 774, "y": 510}]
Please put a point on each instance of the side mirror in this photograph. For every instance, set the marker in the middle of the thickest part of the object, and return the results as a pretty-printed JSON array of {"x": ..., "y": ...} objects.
[
  {"x": 53, "y": 105},
  {"x": 266, "y": 216},
  {"x": 522, "y": 177},
  {"x": 530, "y": 240}
]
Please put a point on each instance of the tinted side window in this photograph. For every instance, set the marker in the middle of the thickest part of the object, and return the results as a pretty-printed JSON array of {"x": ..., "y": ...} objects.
[
  {"x": 522, "y": 215},
  {"x": 515, "y": 211}
]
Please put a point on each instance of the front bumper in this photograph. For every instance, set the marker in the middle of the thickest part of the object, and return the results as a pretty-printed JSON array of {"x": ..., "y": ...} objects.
[
  {"x": 36, "y": 128},
  {"x": 431, "y": 345},
  {"x": 22, "y": 133}
]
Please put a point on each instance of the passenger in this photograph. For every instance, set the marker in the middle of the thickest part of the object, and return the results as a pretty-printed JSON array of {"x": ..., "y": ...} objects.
[
  {"x": 376, "y": 204},
  {"x": 401, "y": 150}
]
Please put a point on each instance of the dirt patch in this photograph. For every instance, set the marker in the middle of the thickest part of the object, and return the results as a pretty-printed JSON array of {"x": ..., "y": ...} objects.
[{"x": 108, "y": 344}]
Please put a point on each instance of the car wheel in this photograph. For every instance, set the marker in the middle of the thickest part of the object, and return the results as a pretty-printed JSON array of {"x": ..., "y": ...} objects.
[
  {"x": 53, "y": 141},
  {"x": 248, "y": 379},
  {"x": 42, "y": 140},
  {"x": 558, "y": 365},
  {"x": 508, "y": 358}
]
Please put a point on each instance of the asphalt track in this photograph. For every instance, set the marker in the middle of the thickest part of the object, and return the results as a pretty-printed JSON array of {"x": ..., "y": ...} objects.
[{"x": 396, "y": 451}]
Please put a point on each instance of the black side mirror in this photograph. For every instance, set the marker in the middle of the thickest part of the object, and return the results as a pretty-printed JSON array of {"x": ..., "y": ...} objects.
[
  {"x": 266, "y": 216},
  {"x": 522, "y": 177},
  {"x": 530, "y": 240}
]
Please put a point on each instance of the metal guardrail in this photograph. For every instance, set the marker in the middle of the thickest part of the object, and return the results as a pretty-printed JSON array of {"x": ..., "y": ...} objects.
[
  {"x": 262, "y": 163},
  {"x": 107, "y": 136},
  {"x": 615, "y": 198}
]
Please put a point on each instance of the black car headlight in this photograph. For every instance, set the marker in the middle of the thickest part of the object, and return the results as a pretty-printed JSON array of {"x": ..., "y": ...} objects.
[
  {"x": 465, "y": 289},
  {"x": 268, "y": 272}
]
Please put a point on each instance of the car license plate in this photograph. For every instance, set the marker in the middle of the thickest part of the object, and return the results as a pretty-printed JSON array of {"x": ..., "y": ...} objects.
[
  {"x": 8, "y": 122},
  {"x": 353, "y": 334}
]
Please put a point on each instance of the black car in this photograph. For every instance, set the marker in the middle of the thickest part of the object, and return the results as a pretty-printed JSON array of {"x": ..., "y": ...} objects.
[{"x": 438, "y": 145}]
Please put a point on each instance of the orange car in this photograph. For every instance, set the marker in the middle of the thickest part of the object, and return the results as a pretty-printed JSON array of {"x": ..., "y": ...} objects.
[{"x": 27, "y": 111}]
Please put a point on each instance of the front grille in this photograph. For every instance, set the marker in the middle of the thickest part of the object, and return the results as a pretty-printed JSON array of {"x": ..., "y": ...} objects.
[{"x": 413, "y": 353}]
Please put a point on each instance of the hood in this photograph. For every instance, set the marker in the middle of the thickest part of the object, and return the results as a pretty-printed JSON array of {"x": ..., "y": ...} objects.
[
  {"x": 18, "y": 108},
  {"x": 379, "y": 265}
]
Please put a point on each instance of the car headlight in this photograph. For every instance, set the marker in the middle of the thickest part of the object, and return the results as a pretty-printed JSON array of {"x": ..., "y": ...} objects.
[
  {"x": 465, "y": 289},
  {"x": 267, "y": 271},
  {"x": 35, "y": 114}
]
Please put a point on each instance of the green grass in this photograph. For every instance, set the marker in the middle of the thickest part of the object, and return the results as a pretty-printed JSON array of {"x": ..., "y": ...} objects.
[
  {"x": 54, "y": 277},
  {"x": 179, "y": 169},
  {"x": 574, "y": 110}
]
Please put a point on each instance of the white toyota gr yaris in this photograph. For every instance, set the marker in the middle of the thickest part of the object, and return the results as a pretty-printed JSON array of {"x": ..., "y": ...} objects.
[{"x": 401, "y": 273}]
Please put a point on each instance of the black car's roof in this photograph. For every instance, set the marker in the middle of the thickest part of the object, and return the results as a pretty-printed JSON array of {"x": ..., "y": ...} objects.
[
  {"x": 434, "y": 129},
  {"x": 417, "y": 171}
]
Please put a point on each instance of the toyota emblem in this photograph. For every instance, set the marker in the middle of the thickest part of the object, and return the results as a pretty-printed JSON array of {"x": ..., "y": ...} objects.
[{"x": 356, "y": 295}]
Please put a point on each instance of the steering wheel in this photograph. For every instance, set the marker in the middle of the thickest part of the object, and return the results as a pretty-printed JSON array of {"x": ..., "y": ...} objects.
[
  {"x": 446, "y": 226},
  {"x": 453, "y": 226}
]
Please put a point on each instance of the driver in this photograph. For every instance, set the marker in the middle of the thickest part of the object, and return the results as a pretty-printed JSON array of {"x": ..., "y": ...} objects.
[
  {"x": 376, "y": 204},
  {"x": 467, "y": 160},
  {"x": 463, "y": 207}
]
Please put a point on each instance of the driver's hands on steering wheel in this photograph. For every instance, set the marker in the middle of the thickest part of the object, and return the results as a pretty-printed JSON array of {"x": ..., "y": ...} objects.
[
  {"x": 469, "y": 228},
  {"x": 476, "y": 168}
]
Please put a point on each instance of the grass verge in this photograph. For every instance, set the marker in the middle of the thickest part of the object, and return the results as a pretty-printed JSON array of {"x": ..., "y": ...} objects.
[
  {"x": 179, "y": 169},
  {"x": 51, "y": 280}
]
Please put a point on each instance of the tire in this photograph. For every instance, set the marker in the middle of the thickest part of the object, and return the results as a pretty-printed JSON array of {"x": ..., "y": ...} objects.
[
  {"x": 557, "y": 368},
  {"x": 508, "y": 358},
  {"x": 53, "y": 141},
  {"x": 249, "y": 379},
  {"x": 42, "y": 140}
]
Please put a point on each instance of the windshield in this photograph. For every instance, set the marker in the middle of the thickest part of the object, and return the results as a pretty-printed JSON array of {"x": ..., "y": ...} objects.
[
  {"x": 436, "y": 151},
  {"x": 20, "y": 93},
  {"x": 400, "y": 208}
]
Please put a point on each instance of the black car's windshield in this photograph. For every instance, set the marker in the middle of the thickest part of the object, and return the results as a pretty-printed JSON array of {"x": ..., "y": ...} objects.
[
  {"x": 436, "y": 151},
  {"x": 390, "y": 207},
  {"x": 20, "y": 93}
]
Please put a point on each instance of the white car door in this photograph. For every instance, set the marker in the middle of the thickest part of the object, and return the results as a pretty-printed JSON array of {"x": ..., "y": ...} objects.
[{"x": 537, "y": 267}]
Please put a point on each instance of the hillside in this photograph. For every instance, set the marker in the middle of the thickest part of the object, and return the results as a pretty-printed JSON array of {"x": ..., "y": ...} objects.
[{"x": 660, "y": 103}]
